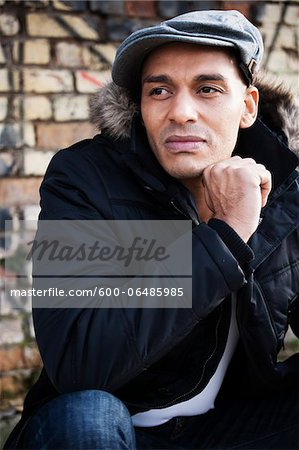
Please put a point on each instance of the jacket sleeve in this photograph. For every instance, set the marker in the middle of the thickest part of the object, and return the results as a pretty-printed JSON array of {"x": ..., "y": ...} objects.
[{"x": 104, "y": 348}]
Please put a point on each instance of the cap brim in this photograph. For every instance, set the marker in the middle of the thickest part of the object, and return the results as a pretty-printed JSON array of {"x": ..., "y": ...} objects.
[{"x": 126, "y": 70}]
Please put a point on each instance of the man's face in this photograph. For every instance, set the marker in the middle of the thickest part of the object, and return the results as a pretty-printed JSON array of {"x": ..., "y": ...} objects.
[{"x": 192, "y": 104}]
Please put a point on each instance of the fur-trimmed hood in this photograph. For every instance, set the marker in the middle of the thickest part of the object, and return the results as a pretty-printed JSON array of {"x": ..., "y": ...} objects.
[{"x": 112, "y": 109}]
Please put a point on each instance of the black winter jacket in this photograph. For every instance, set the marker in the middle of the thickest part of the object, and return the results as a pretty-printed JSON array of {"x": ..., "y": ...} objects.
[{"x": 151, "y": 357}]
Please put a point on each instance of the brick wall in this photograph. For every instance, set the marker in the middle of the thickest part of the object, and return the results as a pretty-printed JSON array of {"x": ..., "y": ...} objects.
[{"x": 53, "y": 56}]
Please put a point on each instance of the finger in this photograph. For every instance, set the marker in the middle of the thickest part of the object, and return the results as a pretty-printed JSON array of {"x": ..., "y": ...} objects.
[
  {"x": 206, "y": 174},
  {"x": 209, "y": 201},
  {"x": 266, "y": 185}
]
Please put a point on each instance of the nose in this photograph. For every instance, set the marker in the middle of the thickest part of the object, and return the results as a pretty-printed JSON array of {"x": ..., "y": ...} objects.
[{"x": 183, "y": 108}]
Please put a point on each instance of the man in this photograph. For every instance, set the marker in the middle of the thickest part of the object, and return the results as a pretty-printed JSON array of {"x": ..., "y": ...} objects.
[{"x": 180, "y": 139}]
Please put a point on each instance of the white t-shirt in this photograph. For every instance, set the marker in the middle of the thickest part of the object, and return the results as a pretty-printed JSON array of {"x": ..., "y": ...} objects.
[{"x": 202, "y": 402}]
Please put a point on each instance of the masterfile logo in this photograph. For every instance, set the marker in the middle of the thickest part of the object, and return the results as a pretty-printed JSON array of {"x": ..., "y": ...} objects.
[{"x": 96, "y": 264}]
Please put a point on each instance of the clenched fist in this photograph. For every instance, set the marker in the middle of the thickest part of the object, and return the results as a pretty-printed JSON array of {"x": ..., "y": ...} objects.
[{"x": 235, "y": 190}]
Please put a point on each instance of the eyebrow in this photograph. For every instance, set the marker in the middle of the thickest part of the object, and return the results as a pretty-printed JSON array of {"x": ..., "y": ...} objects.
[
  {"x": 210, "y": 77},
  {"x": 166, "y": 79},
  {"x": 157, "y": 79}
]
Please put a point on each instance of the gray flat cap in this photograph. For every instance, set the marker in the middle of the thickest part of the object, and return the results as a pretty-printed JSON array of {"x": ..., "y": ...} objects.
[{"x": 212, "y": 28}]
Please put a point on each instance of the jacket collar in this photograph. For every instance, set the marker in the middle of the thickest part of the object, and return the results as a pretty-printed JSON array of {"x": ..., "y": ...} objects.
[
  {"x": 113, "y": 110},
  {"x": 266, "y": 147}
]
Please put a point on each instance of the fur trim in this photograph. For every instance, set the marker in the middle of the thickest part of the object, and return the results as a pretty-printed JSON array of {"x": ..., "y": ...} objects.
[
  {"x": 278, "y": 108},
  {"x": 112, "y": 109}
]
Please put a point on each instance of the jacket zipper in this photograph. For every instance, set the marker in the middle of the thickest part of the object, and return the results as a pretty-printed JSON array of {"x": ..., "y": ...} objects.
[
  {"x": 194, "y": 221},
  {"x": 188, "y": 394},
  {"x": 181, "y": 212}
]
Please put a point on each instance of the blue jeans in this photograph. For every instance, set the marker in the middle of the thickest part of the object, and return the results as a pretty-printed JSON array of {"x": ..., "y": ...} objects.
[
  {"x": 81, "y": 420},
  {"x": 97, "y": 420}
]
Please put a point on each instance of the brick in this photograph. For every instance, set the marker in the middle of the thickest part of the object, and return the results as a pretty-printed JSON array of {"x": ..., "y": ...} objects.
[
  {"x": 11, "y": 358},
  {"x": 9, "y": 80},
  {"x": 107, "y": 51},
  {"x": 32, "y": 52},
  {"x": 32, "y": 357},
  {"x": 17, "y": 52},
  {"x": 18, "y": 303},
  {"x": 11, "y": 385},
  {"x": 8, "y": 163},
  {"x": 11, "y": 330},
  {"x": 37, "y": 52},
  {"x": 118, "y": 29},
  {"x": 3, "y": 108},
  {"x": 89, "y": 81},
  {"x": 13, "y": 135},
  {"x": 45, "y": 80},
  {"x": 257, "y": 12},
  {"x": 17, "y": 383},
  {"x": 19, "y": 191},
  {"x": 268, "y": 32},
  {"x": 171, "y": 8},
  {"x": 2, "y": 56},
  {"x": 291, "y": 80},
  {"x": 272, "y": 13},
  {"x": 62, "y": 25},
  {"x": 9, "y": 25},
  {"x": 29, "y": 134},
  {"x": 292, "y": 15},
  {"x": 36, "y": 162},
  {"x": 69, "y": 55},
  {"x": 277, "y": 61},
  {"x": 34, "y": 108},
  {"x": 31, "y": 213},
  {"x": 292, "y": 61},
  {"x": 17, "y": 404},
  {"x": 208, "y": 4},
  {"x": 73, "y": 107},
  {"x": 68, "y": 5},
  {"x": 286, "y": 37},
  {"x": 36, "y": 3},
  {"x": 7, "y": 276},
  {"x": 60, "y": 135},
  {"x": 87, "y": 27},
  {"x": 10, "y": 136},
  {"x": 62, "y": 5},
  {"x": 116, "y": 7},
  {"x": 93, "y": 59},
  {"x": 142, "y": 8},
  {"x": 41, "y": 24},
  {"x": 242, "y": 7}
]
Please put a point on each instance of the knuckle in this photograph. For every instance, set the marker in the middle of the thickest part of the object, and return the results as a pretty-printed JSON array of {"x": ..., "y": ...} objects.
[
  {"x": 261, "y": 167},
  {"x": 250, "y": 160},
  {"x": 213, "y": 168},
  {"x": 206, "y": 172}
]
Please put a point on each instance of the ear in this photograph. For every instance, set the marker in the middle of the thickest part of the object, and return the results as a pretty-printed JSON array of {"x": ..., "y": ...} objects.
[{"x": 250, "y": 107}]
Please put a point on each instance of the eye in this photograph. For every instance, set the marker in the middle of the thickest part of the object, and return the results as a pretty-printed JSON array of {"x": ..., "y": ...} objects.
[
  {"x": 159, "y": 91},
  {"x": 208, "y": 90}
]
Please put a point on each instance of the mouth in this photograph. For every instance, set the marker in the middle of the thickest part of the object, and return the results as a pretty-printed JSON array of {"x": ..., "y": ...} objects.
[{"x": 186, "y": 144}]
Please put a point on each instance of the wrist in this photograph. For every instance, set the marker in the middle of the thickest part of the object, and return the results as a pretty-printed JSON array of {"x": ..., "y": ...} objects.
[
  {"x": 241, "y": 228},
  {"x": 235, "y": 243}
]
